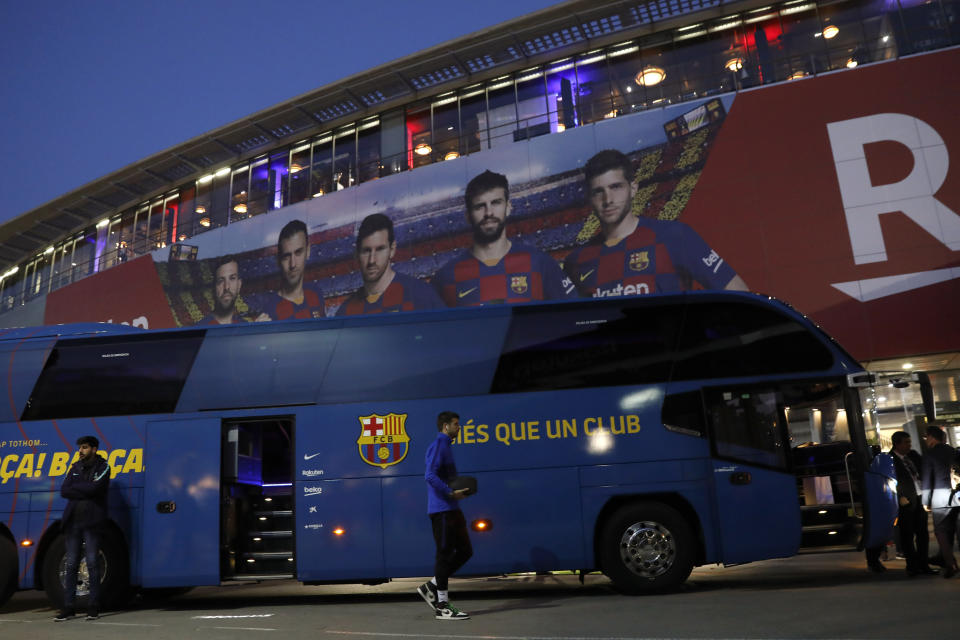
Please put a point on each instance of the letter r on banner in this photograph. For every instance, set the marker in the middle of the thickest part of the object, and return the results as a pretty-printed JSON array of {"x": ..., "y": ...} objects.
[{"x": 863, "y": 203}]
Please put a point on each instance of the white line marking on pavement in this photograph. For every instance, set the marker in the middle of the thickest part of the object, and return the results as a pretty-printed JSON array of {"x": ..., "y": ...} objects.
[
  {"x": 489, "y": 637},
  {"x": 249, "y": 615},
  {"x": 244, "y": 628}
]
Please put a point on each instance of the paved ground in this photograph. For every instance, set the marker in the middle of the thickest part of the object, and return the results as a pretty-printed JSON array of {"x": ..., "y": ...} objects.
[{"x": 816, "y": 596}]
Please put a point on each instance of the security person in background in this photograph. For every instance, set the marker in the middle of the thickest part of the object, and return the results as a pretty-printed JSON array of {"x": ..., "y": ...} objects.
[
  {"x": 85, "y": 488},
  {"x": 911, "y": 518}
]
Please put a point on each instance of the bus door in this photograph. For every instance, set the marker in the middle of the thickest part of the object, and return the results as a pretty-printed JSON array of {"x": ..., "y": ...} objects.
[
  {"x": 911, "y": 411},
  {"x": 181, "y": 507},
  {"x": 754, "y": 490}
]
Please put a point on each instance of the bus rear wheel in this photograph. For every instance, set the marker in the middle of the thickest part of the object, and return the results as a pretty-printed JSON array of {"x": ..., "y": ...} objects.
[
  {"x": 646, "y": 547},
  {"x": 114, "y": 572},
  {"x": 8, "y": 569}
]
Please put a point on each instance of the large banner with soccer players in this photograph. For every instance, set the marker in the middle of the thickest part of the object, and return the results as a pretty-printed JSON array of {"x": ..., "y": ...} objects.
[{"x": 834, "y": 193}]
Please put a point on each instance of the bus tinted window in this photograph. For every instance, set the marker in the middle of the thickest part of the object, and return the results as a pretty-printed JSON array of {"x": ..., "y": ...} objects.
[
  {"x": 588, "y": 346},
  {"x": 113, "y": 376},
  {"x": 746, "y": 426},
  {"x": 413, "y": 360},
  {"x": 253, "y": 367},
  {"x": 732, "y": 339}
]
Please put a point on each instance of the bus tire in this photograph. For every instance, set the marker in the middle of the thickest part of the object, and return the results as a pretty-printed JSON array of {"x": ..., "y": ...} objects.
[
  {"x": 114, "y": 575},
  {"x": 646, "y": 547},
  {"x": 8, "y": 569}
]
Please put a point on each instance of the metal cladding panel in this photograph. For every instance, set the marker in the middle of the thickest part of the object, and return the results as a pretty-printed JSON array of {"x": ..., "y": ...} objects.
[
  {"x": 173, "y": 169},
  {"x": 331, "y": 106},
  {"x": 245, "y": 139},
  {"x": 287, "y": 123},
  {"x": 491, "y": 54},
  {"x": 207, "y": 154}
]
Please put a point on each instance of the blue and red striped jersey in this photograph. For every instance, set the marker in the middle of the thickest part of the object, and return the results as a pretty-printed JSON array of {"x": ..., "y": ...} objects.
[
  {"x": 312, "y": 305},
  {"x": 522, "y": 275},
  {"x": 405, "y": 293},
  {"x": 660, "y": 256}
]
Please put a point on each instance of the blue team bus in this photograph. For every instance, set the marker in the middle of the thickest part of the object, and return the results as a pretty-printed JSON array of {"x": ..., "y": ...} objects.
[{"x": 637, "y": 436}]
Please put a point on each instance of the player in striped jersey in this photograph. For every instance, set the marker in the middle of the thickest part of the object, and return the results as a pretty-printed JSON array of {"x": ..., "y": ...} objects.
[
  {"x": 496, "y": 270},
  {"x": 384, "y": 289},
  {"x": 294, "y": 299},
  {"x": 636, "y": 255}
]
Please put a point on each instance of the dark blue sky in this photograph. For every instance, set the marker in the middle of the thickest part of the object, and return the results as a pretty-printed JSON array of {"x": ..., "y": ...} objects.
[{"x": 87, "y": 87}]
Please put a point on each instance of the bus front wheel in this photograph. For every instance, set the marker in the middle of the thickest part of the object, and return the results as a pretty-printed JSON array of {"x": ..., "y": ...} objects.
[
  {"x": 8, "y": 569},
  {"x": 114, "y": 572},
  {"x": 645, "y": 547}
]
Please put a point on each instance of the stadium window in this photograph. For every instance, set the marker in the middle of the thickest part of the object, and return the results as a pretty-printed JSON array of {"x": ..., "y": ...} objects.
[
  {"x": 299, "y": 175},
  {"x": 925, "y": 26},
  {"x": 701, "y": 62},
  {"x": 593, "y": 88},
  {"x": 473, "y": 109},
  {"x": 446, "y": 128},
  {"x": 345, "y": 158},
  {"x": 261, "y": 193},
  {"x": 531, "y": 105},
  {"x": 277, "y": 180},
  {"x": 393, "y": 142},
  {"x": 321, "y": 171},
  {"x": 419, "y": 136},
  {"x": 368, "y": 150},
  {"x": 239, "y": 193},
  {"x": 187, "y": 216},
  {"x": 501, "y": 116},
  {"x": 623, "y": 65},
  {"x": 561, "y": 80}
]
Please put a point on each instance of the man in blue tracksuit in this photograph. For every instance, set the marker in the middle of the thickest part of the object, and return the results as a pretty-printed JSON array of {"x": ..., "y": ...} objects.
[
  {"x": 449, "y": 526},
  {"x": 85, "y": 489}
]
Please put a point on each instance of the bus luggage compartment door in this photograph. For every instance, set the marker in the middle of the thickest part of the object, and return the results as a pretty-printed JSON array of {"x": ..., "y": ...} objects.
[{"x": 181, "y": 510}]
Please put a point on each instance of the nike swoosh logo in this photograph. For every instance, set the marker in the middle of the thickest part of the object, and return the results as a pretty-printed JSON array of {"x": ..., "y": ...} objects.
[
  {"x": 584, "y": 276},
  {"x": 461, "y": 294},
  {"x": 310, "y": 457},
  {"x": 876, "y": 288}
]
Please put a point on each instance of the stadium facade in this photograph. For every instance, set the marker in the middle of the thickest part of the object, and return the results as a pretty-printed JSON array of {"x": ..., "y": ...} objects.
[{"x": 805, "y": 144}]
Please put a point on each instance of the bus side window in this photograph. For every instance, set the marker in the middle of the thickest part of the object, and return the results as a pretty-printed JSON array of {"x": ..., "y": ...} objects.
[
  {"x": 592, "y": 345},
  {"x": 683, "y": 413},
  {"x": 746, "y": 425},
  {"x": 729, "y": 339}
]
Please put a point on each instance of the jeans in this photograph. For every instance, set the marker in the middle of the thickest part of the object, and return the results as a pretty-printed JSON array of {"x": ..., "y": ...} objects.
[{"x": 91, "y": 541}]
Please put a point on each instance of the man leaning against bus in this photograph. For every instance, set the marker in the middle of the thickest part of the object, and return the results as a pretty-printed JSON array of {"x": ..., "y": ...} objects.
[
  {"x": 85, "y": 488},
  {"x": 449, "y": 526}
]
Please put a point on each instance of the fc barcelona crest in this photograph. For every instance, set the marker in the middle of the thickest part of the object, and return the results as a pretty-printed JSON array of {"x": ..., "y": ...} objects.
[
  {"x": 518, "y": 284},
  {"x": 383, "y": 440},
  {"x": 639, "y": 260}
]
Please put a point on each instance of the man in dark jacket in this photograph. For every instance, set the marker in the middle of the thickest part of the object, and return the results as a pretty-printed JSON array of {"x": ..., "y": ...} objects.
[
  {"x": 939, "y": 494},
  {"x": 912, "y": 518},
  {"x": 449, "y": 526},
  {"x": 85, "y": 489}
]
